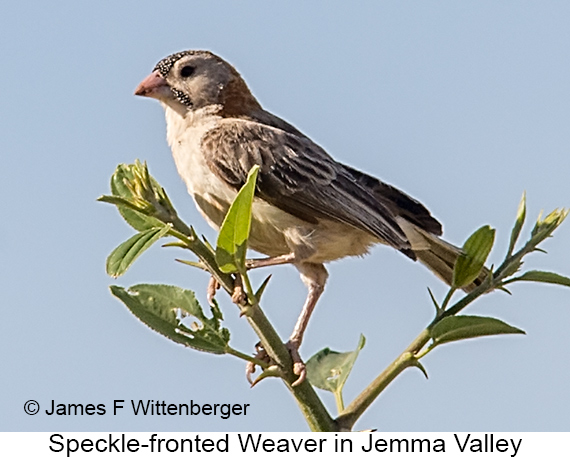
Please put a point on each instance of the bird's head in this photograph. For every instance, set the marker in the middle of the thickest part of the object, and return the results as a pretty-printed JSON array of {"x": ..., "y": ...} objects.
[{"x": 191, "y": 80}]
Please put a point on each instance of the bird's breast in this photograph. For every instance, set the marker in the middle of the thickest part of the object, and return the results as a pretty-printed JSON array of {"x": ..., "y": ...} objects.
[{"x": 213, "y": 197}]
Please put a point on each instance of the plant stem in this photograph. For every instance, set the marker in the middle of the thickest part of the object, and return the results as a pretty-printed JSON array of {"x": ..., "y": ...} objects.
[
  {"x": 339, "y": 401},
  {"x": 447, "y": 298},
  {"x": 476, "y": 293}
]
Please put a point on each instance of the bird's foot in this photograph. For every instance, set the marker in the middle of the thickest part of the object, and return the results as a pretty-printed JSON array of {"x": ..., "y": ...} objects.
[
  {"x": 299, "y": 367},
  {"x": 262, "y": 355}
]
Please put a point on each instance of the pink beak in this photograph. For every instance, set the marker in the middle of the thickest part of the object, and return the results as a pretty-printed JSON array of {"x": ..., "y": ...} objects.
[{"x": 154, "y": 85}]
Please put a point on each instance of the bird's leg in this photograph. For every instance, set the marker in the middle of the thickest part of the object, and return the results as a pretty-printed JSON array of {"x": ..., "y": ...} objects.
[
  {"x": 270, "y": 261},
  {"x": 314, "y": 275},
  {"x": 261, "y": 354}
]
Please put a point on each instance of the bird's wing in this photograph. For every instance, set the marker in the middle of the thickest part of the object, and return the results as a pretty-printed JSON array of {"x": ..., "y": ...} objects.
[
  {"x": 398, "y": 202},
  {"x": 298, "y": 177}
]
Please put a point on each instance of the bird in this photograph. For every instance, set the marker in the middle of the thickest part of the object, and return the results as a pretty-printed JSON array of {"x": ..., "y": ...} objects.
[{"x": 308, "y": 209}]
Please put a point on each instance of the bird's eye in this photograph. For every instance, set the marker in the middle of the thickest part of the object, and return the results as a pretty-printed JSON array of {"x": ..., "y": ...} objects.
[{"x": 187, "y": 71}]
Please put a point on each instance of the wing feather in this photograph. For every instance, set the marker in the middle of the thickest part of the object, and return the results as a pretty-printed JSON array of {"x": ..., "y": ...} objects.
[{"x": 299, "y": 177}]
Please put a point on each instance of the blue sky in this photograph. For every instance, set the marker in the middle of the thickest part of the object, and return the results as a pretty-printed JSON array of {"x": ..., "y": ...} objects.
[{"x": 462, "y": 105}]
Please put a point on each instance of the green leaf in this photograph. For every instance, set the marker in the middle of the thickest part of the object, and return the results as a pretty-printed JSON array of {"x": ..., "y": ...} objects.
[
  {"x": 519, "y": 222},
  {"x": 472, "y": 259},
  {"x": 234, "y": 232},
  {"x": 118, "y": 201},
  {"x": 122, "y": 186},
  {"x": 164, "y": 309},
  {"x": 126, "y": 253},
  {"x": 454, "y": 328},
  {"x": 543, "y": 276},
  {"x": 328, "y": 370}
]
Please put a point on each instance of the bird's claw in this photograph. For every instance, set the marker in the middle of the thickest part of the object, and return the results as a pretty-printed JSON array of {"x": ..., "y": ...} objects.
[
  {"x": 250, "y": 368},
  {"x": 299, "y": 367}
]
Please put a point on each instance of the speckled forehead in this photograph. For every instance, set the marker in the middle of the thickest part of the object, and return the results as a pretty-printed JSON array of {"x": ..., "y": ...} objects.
[{"x": 164, "y": 66}]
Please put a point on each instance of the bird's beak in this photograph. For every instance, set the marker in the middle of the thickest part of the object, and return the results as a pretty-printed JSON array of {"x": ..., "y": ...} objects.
[{"x": 154, "y": 85}]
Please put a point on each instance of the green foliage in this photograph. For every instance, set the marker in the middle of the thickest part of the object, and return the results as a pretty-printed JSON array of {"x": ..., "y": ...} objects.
[
  {"x": 127, "y": 252},
  {"x": 139, "y": 198},
  {"x": 455, "y": 328},
  {"x": 542, "y": 276},
  {"x": 164, "y": 309},
  {"x": 519, "y": 222},
  {"x": 234, "y": 232},
  {"x": 472, "y": 259},
  {"x": 329, "y": 370}
]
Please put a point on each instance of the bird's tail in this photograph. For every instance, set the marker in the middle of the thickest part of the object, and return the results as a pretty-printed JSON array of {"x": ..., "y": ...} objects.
[
  {"x": 440, "y": 257},
  {"x": 436, "y": 254}
]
